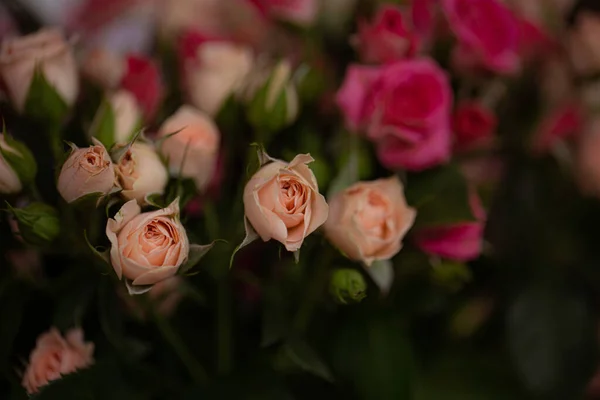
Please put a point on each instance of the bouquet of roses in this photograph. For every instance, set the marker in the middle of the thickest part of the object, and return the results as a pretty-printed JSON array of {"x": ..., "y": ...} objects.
[{"x": 280, "y": 198}]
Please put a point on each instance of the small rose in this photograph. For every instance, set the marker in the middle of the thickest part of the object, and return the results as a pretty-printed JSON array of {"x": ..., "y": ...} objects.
[
  {"x": 141, "y": 172},
  {"x": 194, "y": 149},
  {"x": 368, "y": 220},
  {"x": 473, "y": 125},
  {"x": 218, "y": 70},
  {"x": 127, "y": 115},
  {"x": 87, "y": 170},
  {"x": 282, "y": 202},
  {"x": 147, "y": 248},
  {"x": 55, "y": 356},
  {"x": 46, "y": 50}
]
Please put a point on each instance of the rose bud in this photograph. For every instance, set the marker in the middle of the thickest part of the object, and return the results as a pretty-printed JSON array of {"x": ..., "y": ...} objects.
[
  {"x": 146, "y": 248},
  {"x": 282, "y": 202},
  {"x": 494, "y": 44},
  {"x": 368, "y": 220},
  {"x": 17, "y": 165},
  {"x": 461, "y": 241},
  {"x": 347, "y": 286},
  {"x": 55, "y": 356},
  {"x": 387, "y": 38},
  {"x": 86, "y": 171},
  {"x": 117, "y": 120},
  {"x": 141, "y": 172},
  {"x": 473, "y": 125},
  {"x": 275, "y": 104},
  {"x": 218, "y": 70},
  {"x": 37, "y": 224},
  {"x": 197, "y": 140},
  {"x": 46, "y": 50}
]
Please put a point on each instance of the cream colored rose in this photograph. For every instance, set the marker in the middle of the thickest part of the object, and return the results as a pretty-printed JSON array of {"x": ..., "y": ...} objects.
[
  {"x": 368, "y": 220},
  {"x": 86, "y": 171},
  {"x": 47, "y": 50},
  {"x": 104, "y": 68},
  {"x": 127, "y": 115},
  {"x": 9, "y": 180},
  {"x": 219, "y": 70},
  {"x": 282, "y": 202},
  {"x": 141, "y": 172},
  {"x": 197, "y": 140},
  {"x": 147, "y": 248},
  {"x": 55, "y": 356}
]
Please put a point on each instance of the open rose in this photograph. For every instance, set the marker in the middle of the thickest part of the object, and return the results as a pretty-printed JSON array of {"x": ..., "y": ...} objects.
[
  {"x": 461, "y": 241},
  {"x": 146, "y": 248},
  {"x": 141, "y": 172},
  {"x": 487, "y": 31},
  {"x": 405, "y": 108},
  {"x": 55, "y": 356},
  {"x": 46, "y": 50},
  {"x": 368, "y": 220},
  {"x": 387, "y": 38},
  {"x": 282, "y": 202},
  {"x": 86, "y": 171},
  {"x": 194, "y": 150}
]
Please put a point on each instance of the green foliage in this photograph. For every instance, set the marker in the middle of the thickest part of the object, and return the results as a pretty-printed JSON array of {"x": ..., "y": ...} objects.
[
  {"x": 20, "y": 159},
  {"x": 43, "y": 101}
]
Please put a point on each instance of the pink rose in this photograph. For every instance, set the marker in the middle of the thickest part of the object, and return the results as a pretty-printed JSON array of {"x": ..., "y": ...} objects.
[
  {"x": 46, "y": 49},
  {"x": 282, "y": 202},
  {"x": 55, "y": 356},
  {"x": 368, "y": 220},
  {"x": 405, "y": 107},
  {"x": 487, "y": 30},
  {"x": 563, "y": 123},
  {"x": 461, "y": 241},
  {"x": 194, "y": 150},
  {"x": 142, "y": 78},
  {"x": 473, "y": 125},
  {"x": 423, "y": 16},
  {"x": 149, "y": 247},
  {"x": 387, "y": 38}
]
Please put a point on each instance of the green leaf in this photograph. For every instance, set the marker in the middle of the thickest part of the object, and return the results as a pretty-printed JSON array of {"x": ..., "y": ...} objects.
[
  {"x": 87, "y": 201},
  {"x": 43, "y": 101},
  {"x": 103, "y": 126},
  {"x": 441, "y": 196},
  {"x": 103, "y": 255},
  {"x": 20, "y": 159},
  {"x": 296, "y": 354},
  {"x": 135, "y": 290},
  {"x": 197, "y": 251}
]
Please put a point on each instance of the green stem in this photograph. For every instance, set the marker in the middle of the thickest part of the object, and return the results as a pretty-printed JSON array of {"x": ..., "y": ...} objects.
[
  {"x": 316, "y": 286},
  {"x": 196, "y": 370}
]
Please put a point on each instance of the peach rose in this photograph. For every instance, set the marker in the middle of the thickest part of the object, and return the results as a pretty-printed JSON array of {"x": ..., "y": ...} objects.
[
  {"x": 141, "y": 172},
  {"x": 219, "y": 70},
  {"x": 9, "y": 180},
  {"x": 197, "y": 140},
  {"x": 368, "y": 220},
  {"x": 282, "y": 202},
  {"x": 47, "y": 50},
  {"x": 55, "y": 356},
  {"x": 86, "y": 171},
  {"x": 148, "y": 247}
]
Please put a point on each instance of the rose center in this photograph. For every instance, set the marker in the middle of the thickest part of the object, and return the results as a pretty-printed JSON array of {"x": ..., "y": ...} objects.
[
  {"x": 93, "y": 160},
  {"x": 374, "y": 217},
  {"x": 292, "y": 195}
]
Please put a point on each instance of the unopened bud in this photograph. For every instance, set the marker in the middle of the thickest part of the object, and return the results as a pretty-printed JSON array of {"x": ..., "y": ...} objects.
[
  {"x": 347, "y": 286},
  {"x": 38, "y": 223}
]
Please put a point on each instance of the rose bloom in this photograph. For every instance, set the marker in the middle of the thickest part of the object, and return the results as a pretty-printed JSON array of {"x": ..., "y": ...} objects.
[
  {"x": 141, "y": 172},
  {"x": 487, "y": 31},
  {"x": 473, "y": 125},
  {"x": 147, "y": 248},
  {"x": 218, "y": 70},
  {"x": 86, "y": 171},
  {"x": 405, "y": 108},
  {"x": 387, "y": 38},
  {"x": 55, "y": 356},
  {"x": 282, "y": 202},
  {"x": 197, "y": 140},
  {"x": 9, "y": 180},
  {"x": 46, "y": 50},
  {"x": 368, "y": 220},
  {"x": 461, "y": 241},
  {"x": 127, "y": 115}
]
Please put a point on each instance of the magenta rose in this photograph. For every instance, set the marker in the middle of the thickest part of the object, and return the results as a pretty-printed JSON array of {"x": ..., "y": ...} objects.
[
  {"x": 350, "y": 98},
  {"x": 461, "y": 241},
  {"x": 473, "y": 125},
  {"x": 487, "y": 31},
  {"x": 386, "y": 38}
]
